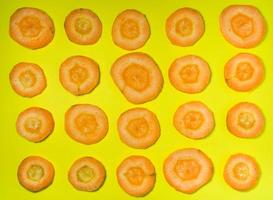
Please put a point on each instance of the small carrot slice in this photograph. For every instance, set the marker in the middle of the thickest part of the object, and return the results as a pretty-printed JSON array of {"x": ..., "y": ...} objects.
[
  {"x": 130, "y": 30},
  {"x": 27, "y": 79},
  {"x": 35, "y": 173},
  {"x": 194, "y": 120},
  {"x": 79, "y": 75},
  {"x": 31, "y": 28},
  {"x": 136, "y": 175},
  {"x": 35, "y": 124},
  {"x": 185, "y": 27},
  {"x": 138, "y": 77},
  {"x": 138, "y": 128},
  {"x": 87, "y": 174},
  {"x": 242, "y": 25},
  {"x": 242, "y": 172},
  {"x": 187, "y": 170},
  {"x": 86, "y": 123},
  {"x": 190, "y": 74},
  {"x": 244, "y": 72},
  {"x": 82, "y": 26},
  {"x": 245, "y": 120}
]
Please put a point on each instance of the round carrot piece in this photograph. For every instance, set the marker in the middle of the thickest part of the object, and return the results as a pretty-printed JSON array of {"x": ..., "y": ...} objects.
[
  {"x": 190, "y": 74},
  {"x": 185, "y": 27},
  {"x": 242, "y": 25},
  {"x": 35, "y": 173},
  {"x": 138, "y": 128},
  {"x": 31, "y": 28},
  {"x": 82, "y": 26},
  {"x": 130, "y": 30},
  {"x": 245, "y": 120},
  {"x": 241, "y": 172},
  {"x": 87, "y": 174},
  {"x": 138, "y": 77},
  {"x": 27, "y": 79},
  {"x": 244, "y": 72},
  {"x": 136, "y": 175},
  {"x": 79, "y": 75},
  {"x": 86, "y": 123},
  {"x": 187, "y": 170},
  {"x": 35, "y": 124},
  {"x": 194, "y": 120}
]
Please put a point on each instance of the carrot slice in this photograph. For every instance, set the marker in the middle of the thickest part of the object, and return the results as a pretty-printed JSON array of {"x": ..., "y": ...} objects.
[
  {"x": 86, "y": 123},
  {"x": 194, "y": 120},
  {"x": 87, "y": 174},
  {"x": 138, "y": 128},
  {"x": 35, "y": 173},
  {"x": 185, "y": 27},
  {"x": 245, "y": 120},
  {"x": 31, "y": 28},
  {"x": 130, "y": 30},
  {"x": 190, "y": 74},
  {"x": 79, "y": 75},
  {"x": 27, "y": 79},
  {"x": 82, "y": 26},
  {"x": 242, "y": 25},
  {"x": 35, "y": 124},
  {"x": 138, "y": 77},
  {"x": 187, "y": 170},
  {"x": 136, "y": 175},
  {"x": 242, "y": 172},
  {"x": 244, "y": 72}
]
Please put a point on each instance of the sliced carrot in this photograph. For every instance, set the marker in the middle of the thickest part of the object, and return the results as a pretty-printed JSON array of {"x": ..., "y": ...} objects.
[
  {"x": 130, "y": 30},
  {"x": 86, "y": 123},
  {"x": 35, "y": 124},
  {"x": 245, "y": 120},
  {"x": 31, "y": 28},
  {"x": 194, "y": 120},
  {"x": 185, "y": 27},
  {"x": 244, "y": 72},
  {"x": 79, "y": 75},
  {"x": 27, "y": 79},
  {"x": 242, "y": 172},
  {"x": 190, "y": 74},
  {"x": 87, "y": 174},
  {"x": 242, "y": 25},
  {"x": 82, "y": 26},
  {"x": 187, "y": 170},
  {"x": 35, "y": 173},
  {"x": 136, "y": 175}
]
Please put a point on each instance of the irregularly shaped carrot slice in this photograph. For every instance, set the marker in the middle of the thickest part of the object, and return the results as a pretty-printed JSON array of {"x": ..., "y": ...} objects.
[
  {"x": 27, "y": 79},
  {"x": 245, "y": 120},
  {"x": 138, "y": 77},
  {"x": 190, "y": 74},
  {"x": 242, "y": 172},
  {"x": 82, "y": 26},
  {"x": 35, "y": 124},
  {"x": 136, "y": 175},
  {"x": 242, "y": 25},
  {"x": 185, "y": 27},
  {"x": 31, "y": 27},
  {"x": 35, "y": 173},
  {"x": 138, "y": 128},
  {"x": 194, "y": 120},
  {"x": 244, "y": 72},
  {"x": 87, "y": 174},
  {"x": 86, "y": 123},
  {"x": 187, "y": 170},
  {"x": 79, "y": 74},
  {"x": 130, "y": 30}
]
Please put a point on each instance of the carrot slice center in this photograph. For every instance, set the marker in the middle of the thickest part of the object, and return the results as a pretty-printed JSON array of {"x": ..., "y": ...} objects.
[
  {"x": 85, "y": 174},
  {"x": 129, "y": 29},
  {"x": 246, "y": 120},
  {"x": 27, "y": 78},
  {"x": 35, "y": 172},
  {"x": 241, "y": 171},
  {"x": 244, "y": 71},
  {"x": 33, "y": 125},
  {"x": 30, "y": 26},
  {"x": 86, "y": 123},
  {"x": 189, "y": 73},
  {"x": 83, "y": 25},
  {"x": 135, "y": 175},
  {"x": 242, "y": 25},
  {"x": 138, "y": 127},
  {"x": 78, "y": 74},
  {"x": 187, "y": 169},
  {"x": 184, "y": 27},
  {"x": 193, "y": 120}
]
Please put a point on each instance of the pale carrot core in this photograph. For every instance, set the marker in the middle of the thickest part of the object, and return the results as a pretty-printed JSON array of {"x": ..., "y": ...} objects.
[
  {"x": 30, "y": 26},
  {"x": 85, "y": 174},
  {"x": 35, "y": 172},
  {"x": 246, "y": 120},
  {"x": 83, "y": 25},
  {"x": 193, "y": 120},
  {"x": 78, "y": 74},
  {"x": 129, "y": 29},
  {"x": 135, "y": 175},
  {"x": 242, "y": 25},
  {"x": 86, "y": 123},
  {"x": 33, "y": 125},
  {"x": 244, "y": 71},
  {"x": 189, "y": 73},
  {"x": 241, "y": 171},
  {"x": 187, "y": 169},
  {"x": 184, "y": 27},
  {"x": 27, "y": 78},
  {"x": 138, "y": 127}
]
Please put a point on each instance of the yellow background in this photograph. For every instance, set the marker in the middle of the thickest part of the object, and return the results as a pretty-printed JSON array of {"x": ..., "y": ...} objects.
[{"x": 62, "y": 151}]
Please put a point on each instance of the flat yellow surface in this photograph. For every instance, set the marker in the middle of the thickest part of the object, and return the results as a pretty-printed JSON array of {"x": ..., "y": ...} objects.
[{"x": 62, "y": 150}]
